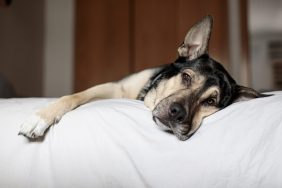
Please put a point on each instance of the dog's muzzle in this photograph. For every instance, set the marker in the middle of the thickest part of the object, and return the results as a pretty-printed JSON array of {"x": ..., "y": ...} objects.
[
  {"x": 171, "y": 119},
  {"x": 177, "y": 131}
]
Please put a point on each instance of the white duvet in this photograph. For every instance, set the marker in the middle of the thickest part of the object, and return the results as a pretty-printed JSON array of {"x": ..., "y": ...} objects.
[{"x": 115, "y": 143}]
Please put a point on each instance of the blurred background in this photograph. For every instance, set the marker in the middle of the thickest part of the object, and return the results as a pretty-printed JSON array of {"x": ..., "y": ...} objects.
[{"x": 50, "y": 48}]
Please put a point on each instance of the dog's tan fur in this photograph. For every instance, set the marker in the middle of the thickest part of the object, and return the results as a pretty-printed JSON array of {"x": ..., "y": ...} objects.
[{"x": 125, "y": 88}]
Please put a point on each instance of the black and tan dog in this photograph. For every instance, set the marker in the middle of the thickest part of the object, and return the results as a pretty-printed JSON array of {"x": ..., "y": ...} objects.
[{"x": 180, "y": 94}]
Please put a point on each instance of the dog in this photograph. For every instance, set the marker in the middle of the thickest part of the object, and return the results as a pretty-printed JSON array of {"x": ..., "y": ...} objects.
[{"x": 179, "y": 94}]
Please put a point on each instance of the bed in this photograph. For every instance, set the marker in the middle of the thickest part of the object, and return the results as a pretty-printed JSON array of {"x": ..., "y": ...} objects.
[{"x": 115, "y": 143}]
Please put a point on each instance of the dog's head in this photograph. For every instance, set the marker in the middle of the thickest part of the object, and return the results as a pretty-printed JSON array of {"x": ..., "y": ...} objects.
[{"x": 195, "y": 86}]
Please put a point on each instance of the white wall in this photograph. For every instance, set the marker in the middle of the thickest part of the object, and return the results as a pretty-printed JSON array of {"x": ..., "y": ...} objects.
[
  {"x": 58, "y": 47},
  {"x": 21, "y": 45},
  {"x": 265, "y": 25},
  {"x": 36, "y": 46},
  {"x": 265, "y": 16},
  {"x": 234, "y": 29},
  {"x": 261, "y": 63},
  {"x": 238, "y": 61}
]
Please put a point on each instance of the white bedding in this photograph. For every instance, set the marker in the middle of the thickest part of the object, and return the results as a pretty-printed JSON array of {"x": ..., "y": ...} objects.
[{"x": 115, "y": 143}]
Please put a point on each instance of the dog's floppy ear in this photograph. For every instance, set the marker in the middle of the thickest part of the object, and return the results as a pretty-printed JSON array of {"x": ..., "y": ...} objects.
[
  {"x": 197, "y": 39},
  {"x": 244, "y": 93}
]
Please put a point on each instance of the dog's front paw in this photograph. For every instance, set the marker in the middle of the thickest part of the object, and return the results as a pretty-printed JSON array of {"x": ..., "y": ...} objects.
[{"x": 34, "y": 127}]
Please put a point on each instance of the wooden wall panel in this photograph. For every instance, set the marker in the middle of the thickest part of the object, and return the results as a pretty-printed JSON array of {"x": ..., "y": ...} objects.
[
  {"x": 102, "y": 42},
  {"x": 114, "y": 38},
  {"x": 161, "y": 25},
  {"x": 155, "y": 32}
]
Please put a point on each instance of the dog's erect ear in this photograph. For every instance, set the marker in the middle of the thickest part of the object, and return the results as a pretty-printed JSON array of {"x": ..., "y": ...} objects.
[
  {"x": 244, "y": 93},
  {"x": 197, "y": 39}
]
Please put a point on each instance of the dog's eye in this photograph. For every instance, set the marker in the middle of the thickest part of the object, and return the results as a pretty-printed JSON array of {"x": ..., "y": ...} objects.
[
  {"x": 209, "y": 102},
  {"x": 186, "y": 78}
]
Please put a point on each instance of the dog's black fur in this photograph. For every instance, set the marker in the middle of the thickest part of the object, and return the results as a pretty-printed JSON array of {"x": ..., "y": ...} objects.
[{"x": 207, "y": 66}]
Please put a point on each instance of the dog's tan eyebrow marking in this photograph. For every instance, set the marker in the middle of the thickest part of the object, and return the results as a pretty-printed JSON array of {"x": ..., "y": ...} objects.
[
  {"x": 211, "y": 92},
  {"x": 197, "y": 80}
]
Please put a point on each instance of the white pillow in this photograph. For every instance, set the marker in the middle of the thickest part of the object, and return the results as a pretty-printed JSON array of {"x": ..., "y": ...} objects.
[{"x": 115, "y": 143}]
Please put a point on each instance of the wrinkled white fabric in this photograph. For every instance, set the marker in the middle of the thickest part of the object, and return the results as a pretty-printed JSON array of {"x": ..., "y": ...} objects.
[{"x": 115, "y": 143}]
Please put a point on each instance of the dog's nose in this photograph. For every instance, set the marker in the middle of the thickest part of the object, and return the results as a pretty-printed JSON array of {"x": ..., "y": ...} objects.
[{"x": 177, "y": 112}]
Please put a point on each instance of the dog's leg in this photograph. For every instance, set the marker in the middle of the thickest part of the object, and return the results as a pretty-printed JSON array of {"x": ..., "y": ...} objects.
[
  {"x": 129, "y": 87},
  {"x": 36, "y": 125}
]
